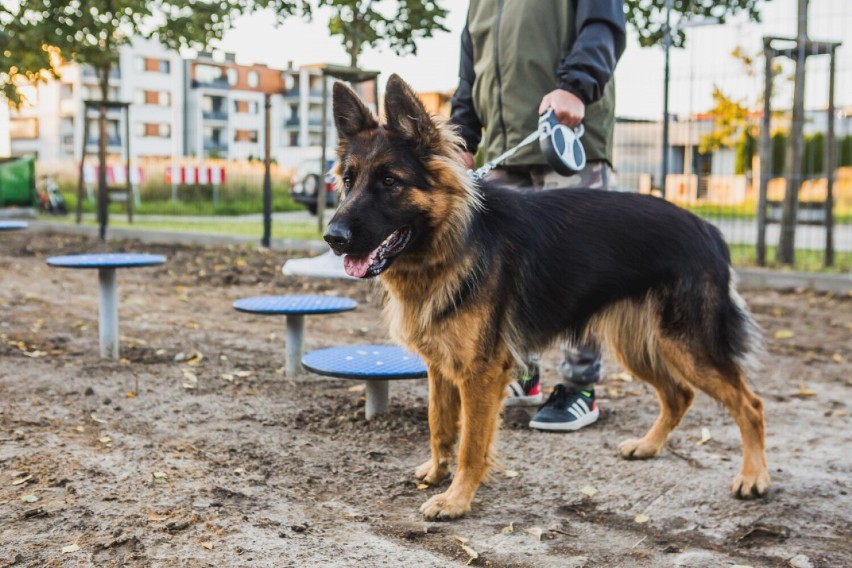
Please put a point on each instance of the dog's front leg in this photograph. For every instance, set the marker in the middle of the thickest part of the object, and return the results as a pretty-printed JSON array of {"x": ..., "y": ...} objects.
[
  {"x": 481, "y": 402},
  {"x": 443, "y": 427}
]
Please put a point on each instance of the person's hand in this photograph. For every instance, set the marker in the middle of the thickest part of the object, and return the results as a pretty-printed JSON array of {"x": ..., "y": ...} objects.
[
  {"x": 569, "y": 109},
  {"x": 467, "y": 160}
]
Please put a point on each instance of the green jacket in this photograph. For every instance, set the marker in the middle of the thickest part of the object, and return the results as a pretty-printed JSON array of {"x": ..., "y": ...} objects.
[{"x": 516, "y": 51}]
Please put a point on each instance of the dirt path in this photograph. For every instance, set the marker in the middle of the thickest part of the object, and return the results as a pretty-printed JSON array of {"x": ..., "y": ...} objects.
[{"x": 195, "y": 450}]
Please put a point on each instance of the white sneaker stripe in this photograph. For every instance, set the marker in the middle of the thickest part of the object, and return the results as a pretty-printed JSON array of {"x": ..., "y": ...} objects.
[{"x": 585, "y": 406}]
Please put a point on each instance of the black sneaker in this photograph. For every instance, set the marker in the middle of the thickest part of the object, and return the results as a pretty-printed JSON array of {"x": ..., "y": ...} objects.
[
  {"x": 566, "y": 410},
  {"x": 526, "y": 389}
]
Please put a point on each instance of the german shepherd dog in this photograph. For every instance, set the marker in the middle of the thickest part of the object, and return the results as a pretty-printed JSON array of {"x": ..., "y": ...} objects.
[{"x": 477, "y": 276}]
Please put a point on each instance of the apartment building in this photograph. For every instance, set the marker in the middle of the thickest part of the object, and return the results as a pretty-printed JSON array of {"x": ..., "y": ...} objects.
[
  {"x": 50, "y": 125},
  {"x": 224, "y": 107}
]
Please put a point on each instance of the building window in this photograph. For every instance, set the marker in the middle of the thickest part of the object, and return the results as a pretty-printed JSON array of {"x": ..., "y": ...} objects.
[
  {"x": 209, "y": 73},
  {"x": 245, "y": 136},
  {"x": 139, "y": 64},
  {"x": 23, "y": 128},
  {"x": 153, "y": 130},
  {"x": 253, "y": 79},
  {"x": 66, "y": 91},
  {"x": 165, "y": 66},
  {"x": 246, "y": 107},
  {"x": 233, "y": 76}
]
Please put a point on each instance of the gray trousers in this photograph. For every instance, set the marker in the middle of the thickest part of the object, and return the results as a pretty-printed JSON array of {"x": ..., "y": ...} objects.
[{"x": 581, "y": 365}]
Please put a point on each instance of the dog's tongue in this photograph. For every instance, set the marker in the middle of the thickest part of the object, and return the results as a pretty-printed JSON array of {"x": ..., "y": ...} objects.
[{"x": 356, "y": 266}]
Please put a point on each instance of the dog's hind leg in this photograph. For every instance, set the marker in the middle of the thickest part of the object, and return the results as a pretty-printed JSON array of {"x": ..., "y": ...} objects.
[
  {"x": 444, "y": 405},
  {"x": 481, "y": 402},
  {"x": 730, "y": 388}
]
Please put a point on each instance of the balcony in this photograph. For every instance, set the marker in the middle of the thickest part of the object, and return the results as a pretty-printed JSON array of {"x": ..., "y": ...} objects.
[
  {"x": 291, "y": 122},
  {"x": 215, "y": 146},
  {"x": 89, "y": 73},
  {"x": 291, "y": 93},
  {"x": 219, "y": 83},
  {"x": 221, "y": 115},
  {"x": 112, "y": 141}
]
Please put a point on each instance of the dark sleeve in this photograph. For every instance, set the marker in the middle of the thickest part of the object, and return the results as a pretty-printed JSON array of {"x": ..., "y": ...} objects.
[
  {"x": 462, "y": 112},
  {"x": 589, "y": 66}
]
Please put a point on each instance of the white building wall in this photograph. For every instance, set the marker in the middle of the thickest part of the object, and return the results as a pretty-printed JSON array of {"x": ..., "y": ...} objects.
[{"x": 5, "y": 142}]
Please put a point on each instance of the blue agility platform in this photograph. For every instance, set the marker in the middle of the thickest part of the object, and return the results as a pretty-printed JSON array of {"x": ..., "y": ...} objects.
[
  {"x": 303, "y": 305},
  {"x": 376, "y": 364},
  {"x": 295, "y": 307},
  {"x": 13, "y": 225},
  {"x": 106, "y": 264},
  {"x": 106, "y": 260}
]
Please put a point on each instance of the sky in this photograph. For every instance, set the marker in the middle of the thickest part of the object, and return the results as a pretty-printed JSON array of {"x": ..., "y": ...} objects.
[{"x": 703, "y": 63}]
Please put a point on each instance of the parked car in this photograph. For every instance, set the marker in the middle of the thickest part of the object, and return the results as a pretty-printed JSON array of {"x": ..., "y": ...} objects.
[{"x": 306, "y": 181}]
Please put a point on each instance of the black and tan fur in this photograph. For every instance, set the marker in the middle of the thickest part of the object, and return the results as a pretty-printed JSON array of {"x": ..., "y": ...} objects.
[{"x": 477, "y": 276}]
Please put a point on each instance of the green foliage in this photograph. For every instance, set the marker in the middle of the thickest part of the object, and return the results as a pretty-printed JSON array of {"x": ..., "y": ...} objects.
[
  {"x": 91, "y": 32},
  {"x": 730, "y": 122},
  {"x": 844, "y": 148},
  {"x": 813, "y": 160},
  {"x": 779, "y": 153},
  {"x": 648, "y": 17},
  {"x": 746, "y": 149},
  {"x": 398, "y": 23}
]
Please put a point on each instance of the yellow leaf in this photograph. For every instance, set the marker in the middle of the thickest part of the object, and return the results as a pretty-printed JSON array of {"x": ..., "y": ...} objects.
[
  {"x": 509, "y": 529},
  {"x": 623, "y": 377},
  {"x": 783, "y": 334},
  {"x": 21, "y": 480},
  {"x": 98, "y": 420},
  {"x": 589, "y": 490},
  {"x": 705, "y": 436},
  {"x": 803, "y": 392},
  {"x": 461, "y": 539},
  {"x": 124, "y": 361},
  {"x": 70, "y": 548},
  {"x": 510, "y": 473},
  {"x": 357, "y": 388},
  {"x": 641, "y": 518},
  {"x": 160, "y": 475},
  {"x": 104, "y": 439},
  {"x": 423, "y": 486},
  {"x": 195, "y": 359},
  {"x": 207, "y": 544},
  {"x": 156, "y": 517},
  {"x": 535, "y": 531},
  {"x": 837, "y": 358},
  {"x": 130, "y": 394}
]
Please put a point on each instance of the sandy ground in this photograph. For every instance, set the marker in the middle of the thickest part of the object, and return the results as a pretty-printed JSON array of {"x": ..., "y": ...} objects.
[{"x": 195, "y": 450}]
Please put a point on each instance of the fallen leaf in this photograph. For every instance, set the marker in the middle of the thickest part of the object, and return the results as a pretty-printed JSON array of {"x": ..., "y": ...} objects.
[
  {"x": 535, "y": 531},
  {"x": 105, "y": 440},
  {"x": 423, "y": 486},
  {"x": 705, "y": 436},
  {"x": 227, "y": 377},
  {"x": 589, "y": 490},
  {"x": 98, "y": 420},
  {"x": 70, "y": 548},
  {"x": 160, "y": 475},
  {"x": 192, "y": 325},
  {"x": 130, "y": 394},
  {"x": 508, "y": 529},
  {"x": 195, "y": 359},
  {"x": 243, "y": 374},
  {"x": 783, "y": 334},
  {"x": 641, "y": 518},
  {"x": 461, "y": 539},
  {"x": 804, "y": 392},
  {"x": 837, "y": 358},
  {"x": 510, "y": 473},
  {"x": 207, "y": 544},
  {"x": 124, "y": 361},
  {"x": 623, "y": 376},
  {"x": 22, "y": 480},
  {"x": 470, "y": 552},
  {"x": 357, "y": 388},
  {"x": 156, "y": 517},
  {"x": 80, "y": 428},
  {"x": 29, "y": 498}
]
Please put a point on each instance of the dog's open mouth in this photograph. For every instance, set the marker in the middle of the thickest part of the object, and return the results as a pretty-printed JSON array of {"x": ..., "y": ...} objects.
[{"x": 374, "y": 263}]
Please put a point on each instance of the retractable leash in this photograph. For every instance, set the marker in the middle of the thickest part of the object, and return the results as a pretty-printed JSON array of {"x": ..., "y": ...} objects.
[{"x": 560, "y": 145}]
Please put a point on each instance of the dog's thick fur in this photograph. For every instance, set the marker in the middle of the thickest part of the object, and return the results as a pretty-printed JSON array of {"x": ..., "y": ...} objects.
[{"x": 476, "y": 277}]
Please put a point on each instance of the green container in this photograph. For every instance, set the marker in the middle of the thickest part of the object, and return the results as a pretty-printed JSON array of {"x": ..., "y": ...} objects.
[{"x": 17, "y": 182}]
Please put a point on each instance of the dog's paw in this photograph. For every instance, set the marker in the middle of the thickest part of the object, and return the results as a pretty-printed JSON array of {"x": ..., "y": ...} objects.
[
  {"x": 441, "y": 507},
  {"x": 638, "y": 449},
  {"x": 750, "y": 486},
  {"x": 432, "y": 473}
]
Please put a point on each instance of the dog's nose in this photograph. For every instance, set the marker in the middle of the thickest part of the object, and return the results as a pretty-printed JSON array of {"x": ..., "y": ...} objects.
[{"x": 338, "y": 236}]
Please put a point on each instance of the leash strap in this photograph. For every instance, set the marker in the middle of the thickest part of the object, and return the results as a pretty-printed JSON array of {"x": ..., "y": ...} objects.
[{"x": 480, "y": 173}]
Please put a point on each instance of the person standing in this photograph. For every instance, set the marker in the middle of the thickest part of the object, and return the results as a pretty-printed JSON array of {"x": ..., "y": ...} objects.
[{"x": 520, "y": 58}]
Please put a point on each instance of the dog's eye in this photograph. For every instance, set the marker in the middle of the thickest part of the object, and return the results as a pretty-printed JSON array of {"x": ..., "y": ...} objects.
[
  {"x": 347, "y": 183},
  {"x": 389, "y": 181}
]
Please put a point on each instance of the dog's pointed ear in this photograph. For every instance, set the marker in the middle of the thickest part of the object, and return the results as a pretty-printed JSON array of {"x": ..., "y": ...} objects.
[
  {"x": 406, "y": 115},
  {"x": 350, "y": 114}
]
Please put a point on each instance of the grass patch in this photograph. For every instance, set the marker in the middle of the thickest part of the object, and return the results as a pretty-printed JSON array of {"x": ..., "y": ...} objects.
[
  {"x": 227, "y": 205},
  {"x": 745, "y": 256},
  {"x": 306, "y": 230}
]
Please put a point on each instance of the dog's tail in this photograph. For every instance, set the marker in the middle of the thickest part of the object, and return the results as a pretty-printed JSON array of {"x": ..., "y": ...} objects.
[{"x": 744, "y": 335}]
